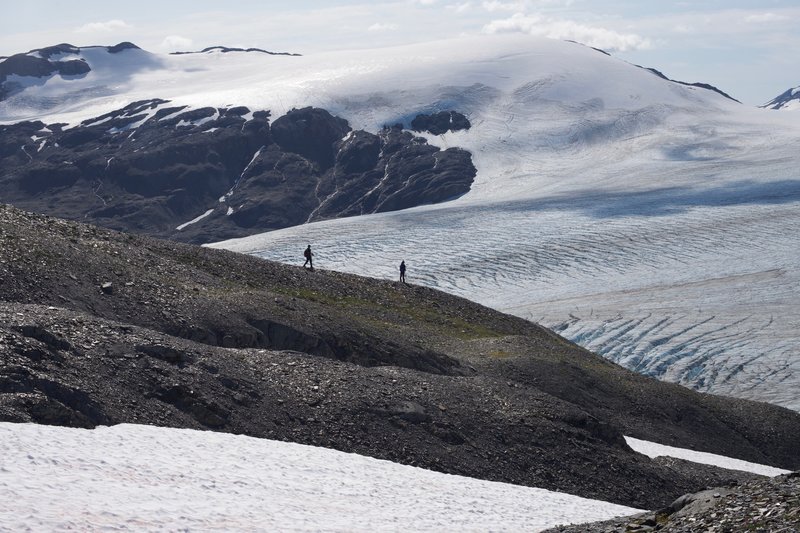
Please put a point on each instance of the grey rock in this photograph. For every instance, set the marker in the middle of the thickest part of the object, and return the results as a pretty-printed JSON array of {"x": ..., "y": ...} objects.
[{"x": 307, "y": 165}]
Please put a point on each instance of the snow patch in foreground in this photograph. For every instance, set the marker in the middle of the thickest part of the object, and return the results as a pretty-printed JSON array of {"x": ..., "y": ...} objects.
[
  {"x": 145, "y": 477},
  {"x": 651, "y": 449}
]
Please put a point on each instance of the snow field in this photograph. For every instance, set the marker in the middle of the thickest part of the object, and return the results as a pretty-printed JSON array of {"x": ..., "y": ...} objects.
[
  {"x": 150, "y": 478},
  {"x": 652, "y": 449}
]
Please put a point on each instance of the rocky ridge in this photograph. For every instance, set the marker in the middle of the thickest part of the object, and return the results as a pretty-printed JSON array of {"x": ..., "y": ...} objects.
[
  {"x": 209, "y": 174},
  {"x": 762, "y": 504},
  {"x": 699, "y": 85},
  {"x": 99, "y": 327},
  {"x": 788, "y": 99},
  {"x": 228, "y": 49},
  {"x": 62, "y": 59}
]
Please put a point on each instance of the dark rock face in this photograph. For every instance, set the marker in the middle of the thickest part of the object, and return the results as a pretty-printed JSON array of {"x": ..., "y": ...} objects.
[
  {"x": 784, "y": 99},
  {"x": 441, "y": 122},
  {"x": 25, "y": 65},
  {"x": 151, "y": 167},
  {"x": 227, "y": 49},
  {"x": 125, "y": 45},
  {"x": 310, "y": 133},
  {"x": 74, "y": 67},
  {"x": 63, "y": 48},
  {"x": 696, "y": 84}
]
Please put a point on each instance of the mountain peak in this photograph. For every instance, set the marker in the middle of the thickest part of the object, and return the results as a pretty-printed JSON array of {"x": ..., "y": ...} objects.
[
  {"x": 124, "y": 45},
  {"x": 226, "y": 49},
  {"x": 34, "y": 68},
  {"x": 789, "y": 99},
  {"x": 48, "y": 51}
]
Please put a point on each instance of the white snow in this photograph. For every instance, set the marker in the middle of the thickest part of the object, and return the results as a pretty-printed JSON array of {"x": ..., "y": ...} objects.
[
  {"x": 105, "y": 88},
  {"x": 228, "y": 194},
  {"x": 181, "y": 123},
  {"x": 63, "y": 56},
  {"x": 651, "y": 449},
  {"x": 148, "y": 478},
  {"x": 26, "y": 82},
  {"x": 195, "y": 220}
]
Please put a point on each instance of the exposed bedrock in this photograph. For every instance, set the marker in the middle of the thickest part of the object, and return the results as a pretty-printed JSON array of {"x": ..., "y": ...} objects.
[{"x": 207, "y": 174}]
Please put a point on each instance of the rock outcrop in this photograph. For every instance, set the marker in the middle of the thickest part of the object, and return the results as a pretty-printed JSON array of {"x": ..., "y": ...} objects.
[
  {"x": 763, "y": 504},
  {"x": 789, "y": 99},
  {"x": 441, "y": 122},
  {"x": 228, "y": 49},
  {"x": 208, "y": 174},
  {"x": 38, "y": 65}
]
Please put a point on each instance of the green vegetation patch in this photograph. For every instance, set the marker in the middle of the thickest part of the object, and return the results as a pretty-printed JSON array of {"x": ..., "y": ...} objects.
[{"x": 389, "y": 306}]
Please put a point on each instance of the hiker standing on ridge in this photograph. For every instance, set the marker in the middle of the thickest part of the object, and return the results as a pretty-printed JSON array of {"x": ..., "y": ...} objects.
[
  {"x": 403, "y": 270},
  {"x": 308, "y": 255}
]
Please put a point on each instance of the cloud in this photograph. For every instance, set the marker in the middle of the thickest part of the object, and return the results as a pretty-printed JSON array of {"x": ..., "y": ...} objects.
[
  {"x": 176, "y": 43},
  {"x": 104, "y": 27},
  {"x": 765, "y": 18},
  {"x": 424, "y": 2},
  {"x": 460, "y": 8},
  {"x": 496, "y": 5},
  {"x": 683, "y": 28},
  {"x": 553, "y": 28},
  {"x": 381, "y": 27}
]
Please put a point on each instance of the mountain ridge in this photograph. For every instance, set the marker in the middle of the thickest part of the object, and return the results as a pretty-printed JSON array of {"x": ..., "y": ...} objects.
[
  {"x": 789, "y": 99},
  {"x": 227, "y": 49},
  {"x": 40, "y": 64},
  {"x": 102, "y": 327},
  {"x": 153, "y": 167}
]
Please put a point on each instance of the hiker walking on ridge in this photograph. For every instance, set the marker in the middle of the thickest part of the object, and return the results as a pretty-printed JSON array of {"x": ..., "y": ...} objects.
[
  {"x": 403, "y": 270},
  {"x": 308, "y": 255}
]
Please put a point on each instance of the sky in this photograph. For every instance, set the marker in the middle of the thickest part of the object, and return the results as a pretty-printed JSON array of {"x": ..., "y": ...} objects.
[{"x": 747, "y": 48}]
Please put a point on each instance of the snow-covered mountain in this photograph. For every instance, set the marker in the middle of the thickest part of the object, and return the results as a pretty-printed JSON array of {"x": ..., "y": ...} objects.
[
  {"x": 789, "y": 99},
  {"x": 653, "y": 222},
  {"x": 63, "y": 73}
]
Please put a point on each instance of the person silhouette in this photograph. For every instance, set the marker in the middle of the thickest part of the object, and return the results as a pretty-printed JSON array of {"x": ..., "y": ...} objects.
[
  {"x": 403, "y": 270},
  {"x": 308, "y": 255}
]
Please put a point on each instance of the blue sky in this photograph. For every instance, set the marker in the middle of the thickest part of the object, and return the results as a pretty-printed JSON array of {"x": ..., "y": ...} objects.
[{"x": 746, "y": 48}]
